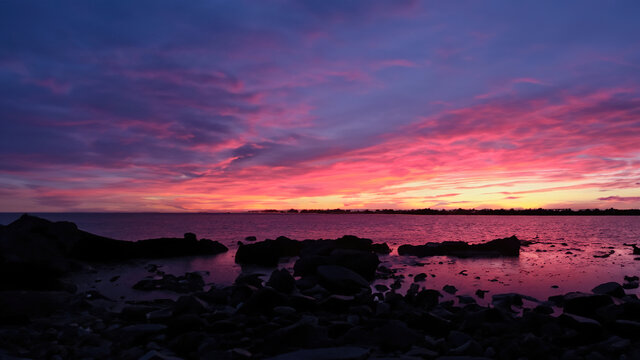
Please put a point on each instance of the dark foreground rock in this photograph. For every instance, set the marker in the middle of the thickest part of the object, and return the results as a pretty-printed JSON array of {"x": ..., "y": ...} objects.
[
  {"x": 190, "y": 282},
  {"x": 334, "y": 353},
  {"x": 499, "y": 247},
  {"x": 287, "y": 319},
  {"x": 280, "y": 320}
]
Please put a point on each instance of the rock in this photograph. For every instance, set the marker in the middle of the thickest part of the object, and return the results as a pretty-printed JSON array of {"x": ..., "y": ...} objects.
[
  {"x": 341, "y": 280},
  {"x": 604, "y": 254},
  {"x": 498, "y": 247},
  {"x": 627, "y": 328},
  {"x": 263, "y": 301},
  {"x": 420, "y": 277},
  {"x": 172, "y": 247},
  {"x": 581, "y": 323},
  {"x": 21, "y": 305},
  {"x": 480, "y": 293},
  {"x": 215, "y": 296},
  {"x": 155, "y": 355},
  {"x": 584, "y": 304},
  {"x": 304, "y": 333},
  {"x": 181, "y": 324},
  {"x": 250, "y": 238},
  {"x": 281, "y": 280},
  {"x": 421, "y": 353},
  {"x": 397, "y": 284},
  {"x": 465, "y": 299},
  {"x": 268, "y": 252},
  {"x": 189, "y": 282},
  {"x": 138, "y": 331},
  {"x": 383, "y": 309},
  {"x": 543, "y": 309},
  {"x": 507, "y": 300},
  {"x": 457, "y": 338},
  {"x": 428, "y": 298},
  {"x": 449, "y": 289},
  {"x": 134, "y": 312},
  {"x": 254, "y": 280},
  {"x": 380, "y": 248},
  {"x": 302, "y": 302},
  {"x": 631, "y": 285},
  {"x": 238, "y": 353},
  {"x": 187, "y": 342},
  {"x": 188, "y": 304},
  {"x": 158, "y": 315},
  {"x": 331, "y": 353},
  {"x": 395, "y": 335},
  {"x": 354, "y": 243},
  {"x": 470, "y": 347},
  {"x": 381, "y": 287},
  {"x": 364, "y": 263},
  {"x": 610, "y": 288},
  {"x": 284, "y": 310},
  {"x": 337, "y": 303}
]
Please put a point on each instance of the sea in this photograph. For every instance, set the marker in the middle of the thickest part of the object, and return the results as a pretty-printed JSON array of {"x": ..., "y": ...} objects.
[{"x": 565, "y": 254}]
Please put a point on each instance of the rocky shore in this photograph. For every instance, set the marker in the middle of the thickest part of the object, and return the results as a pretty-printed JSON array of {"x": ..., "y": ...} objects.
[{"x": 325, "y": 309}]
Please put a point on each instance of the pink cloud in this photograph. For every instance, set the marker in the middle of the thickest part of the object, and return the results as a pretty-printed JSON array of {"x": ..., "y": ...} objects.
[
  {"x": 620, "y": 198},
  {"x": 394, "y": 63}
]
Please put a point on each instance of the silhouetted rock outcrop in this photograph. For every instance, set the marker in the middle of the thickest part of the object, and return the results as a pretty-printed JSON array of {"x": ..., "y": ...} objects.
[
  {"x": 35, "y": 252},
  {"x": 499, "y": 247},
  {"x": 269, "y": 252}
]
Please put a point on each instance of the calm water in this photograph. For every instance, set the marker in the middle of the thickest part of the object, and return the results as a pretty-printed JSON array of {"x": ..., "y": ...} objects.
[{"x": 563, "y": 257}]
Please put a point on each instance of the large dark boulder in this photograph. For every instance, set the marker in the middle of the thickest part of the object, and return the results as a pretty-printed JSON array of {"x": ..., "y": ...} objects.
[
  {"x": 499, "y": 247},
  {"x": 189, "y": 282},
  {"x": 268, "y": 252},
  {"x": 282, "y": 281},
  {"x": 263, "y": 301},
  {"x": 362, "y": 262},
  {"x": 584, "y": 304},
  {"x": 333, "y": 353},
  {"x": 341, "y": 280},
  {"x": 610, "y": 288}
]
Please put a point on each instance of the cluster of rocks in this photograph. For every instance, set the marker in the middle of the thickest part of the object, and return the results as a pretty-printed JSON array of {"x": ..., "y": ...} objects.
[
  {"x": 499, "y": 247},
  {"x": 270, "y": 252},
  {"x": 288, "y": 318}
]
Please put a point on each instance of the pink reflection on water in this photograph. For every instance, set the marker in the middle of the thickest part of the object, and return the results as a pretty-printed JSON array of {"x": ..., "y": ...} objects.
[{"x": 570, "y": 267}]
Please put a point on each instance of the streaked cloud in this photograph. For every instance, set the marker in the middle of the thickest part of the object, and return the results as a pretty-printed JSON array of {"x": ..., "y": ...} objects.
[{"x": 157, "y": 105}]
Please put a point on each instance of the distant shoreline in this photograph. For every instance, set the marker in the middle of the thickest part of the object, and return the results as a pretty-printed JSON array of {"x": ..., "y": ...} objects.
[
  {"x": 525, "y": 212},
  {"x": 495, "y": 212}
]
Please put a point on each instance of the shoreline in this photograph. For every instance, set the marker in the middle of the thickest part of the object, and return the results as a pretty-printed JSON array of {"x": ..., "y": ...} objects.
[{"x": 331, "y": 305}]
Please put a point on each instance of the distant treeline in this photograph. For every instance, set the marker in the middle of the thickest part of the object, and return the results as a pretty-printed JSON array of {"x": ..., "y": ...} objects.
[{"x": 554, "y": 212}]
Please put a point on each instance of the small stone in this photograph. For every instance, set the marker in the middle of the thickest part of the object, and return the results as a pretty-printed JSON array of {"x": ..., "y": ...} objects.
[
  {"x": 284, "y": 310},
  {"x": 450, "y": 289},
  {"x": 420, "y": 277}
]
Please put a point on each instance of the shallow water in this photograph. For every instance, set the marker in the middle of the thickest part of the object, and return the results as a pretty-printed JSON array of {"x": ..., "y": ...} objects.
[{"x": 563, "y": 256}]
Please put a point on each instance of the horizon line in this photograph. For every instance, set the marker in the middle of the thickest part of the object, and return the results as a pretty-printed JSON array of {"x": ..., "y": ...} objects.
[{"x": 291, "y": 210}]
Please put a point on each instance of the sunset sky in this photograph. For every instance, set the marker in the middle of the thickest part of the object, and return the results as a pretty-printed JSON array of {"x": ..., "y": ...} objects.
[{"x": 239, "y": 105}]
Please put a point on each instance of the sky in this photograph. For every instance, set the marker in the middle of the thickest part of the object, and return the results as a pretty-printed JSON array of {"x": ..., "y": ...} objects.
[{"x": 242, "y": 105}]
